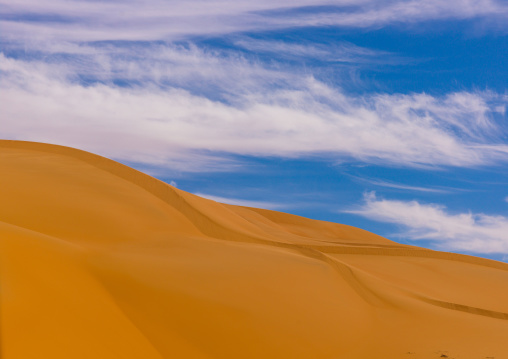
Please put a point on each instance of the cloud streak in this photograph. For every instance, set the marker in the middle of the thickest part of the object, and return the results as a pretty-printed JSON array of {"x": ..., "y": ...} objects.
[
  {"x": 337, "y": 52},
  {"x": 258, "y": 111},
  {"x": 161, "y": 20},
  {"x": 471, "y": 232},
  {"x": 401, "y": 186}
]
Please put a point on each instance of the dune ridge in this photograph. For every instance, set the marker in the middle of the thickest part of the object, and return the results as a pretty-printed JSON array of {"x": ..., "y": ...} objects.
[{"x": 101, "y": 260}]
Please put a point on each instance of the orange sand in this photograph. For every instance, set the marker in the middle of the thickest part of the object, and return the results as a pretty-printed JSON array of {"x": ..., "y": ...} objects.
[{"x": 101, "y": 261}]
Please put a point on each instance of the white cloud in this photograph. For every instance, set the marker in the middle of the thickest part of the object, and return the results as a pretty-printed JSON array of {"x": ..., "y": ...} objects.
[
  {"x": 193, "y": 109},
  {"x": 342, "y": 52},
  {"x": 163, "y": 20},
  {"x": 401, "y": 186},
  {"x": 257, "y": 111},
  {"x": 478, "y": 233},
  {"x": 243, "y": 202}
]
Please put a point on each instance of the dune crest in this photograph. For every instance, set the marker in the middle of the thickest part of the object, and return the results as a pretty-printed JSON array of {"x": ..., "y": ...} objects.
[{"x": 98, "y": 260}]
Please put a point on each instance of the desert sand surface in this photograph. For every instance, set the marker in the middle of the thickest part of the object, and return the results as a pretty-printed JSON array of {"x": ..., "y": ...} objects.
[{"x": 98, "y": 260}]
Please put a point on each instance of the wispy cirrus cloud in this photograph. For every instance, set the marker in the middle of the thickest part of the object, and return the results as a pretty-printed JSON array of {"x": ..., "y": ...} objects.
[
  {"x": 243, "y": 108},
  {"x": 402, "y": 186},
  {"x": 472, "y": 232},
  {"x": 337, "y": 52},
  {"x": 137, "y": 20}
]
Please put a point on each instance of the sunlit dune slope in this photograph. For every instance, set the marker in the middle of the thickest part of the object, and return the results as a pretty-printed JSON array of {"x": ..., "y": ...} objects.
[{"x": 98, "y": 260}]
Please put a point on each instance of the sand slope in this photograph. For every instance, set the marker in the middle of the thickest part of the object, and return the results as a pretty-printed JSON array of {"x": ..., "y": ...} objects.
[{"x": 98, "y": 260}]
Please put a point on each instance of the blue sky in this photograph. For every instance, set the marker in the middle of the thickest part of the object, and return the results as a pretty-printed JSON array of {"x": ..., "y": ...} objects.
[{"x": 386, "y": 115}]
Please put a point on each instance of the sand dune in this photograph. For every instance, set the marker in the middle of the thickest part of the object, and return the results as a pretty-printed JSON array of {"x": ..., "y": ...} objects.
[{"x": 101, "y": 261}]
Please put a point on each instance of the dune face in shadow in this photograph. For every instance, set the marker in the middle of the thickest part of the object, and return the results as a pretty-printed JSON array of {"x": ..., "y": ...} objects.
[{"x": 101, "y": 261}]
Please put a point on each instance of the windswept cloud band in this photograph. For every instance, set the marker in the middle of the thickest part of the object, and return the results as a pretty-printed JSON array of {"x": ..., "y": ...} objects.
[
  {"x": 162, "y": 20},
  {"x": 273, "y": 113}
]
